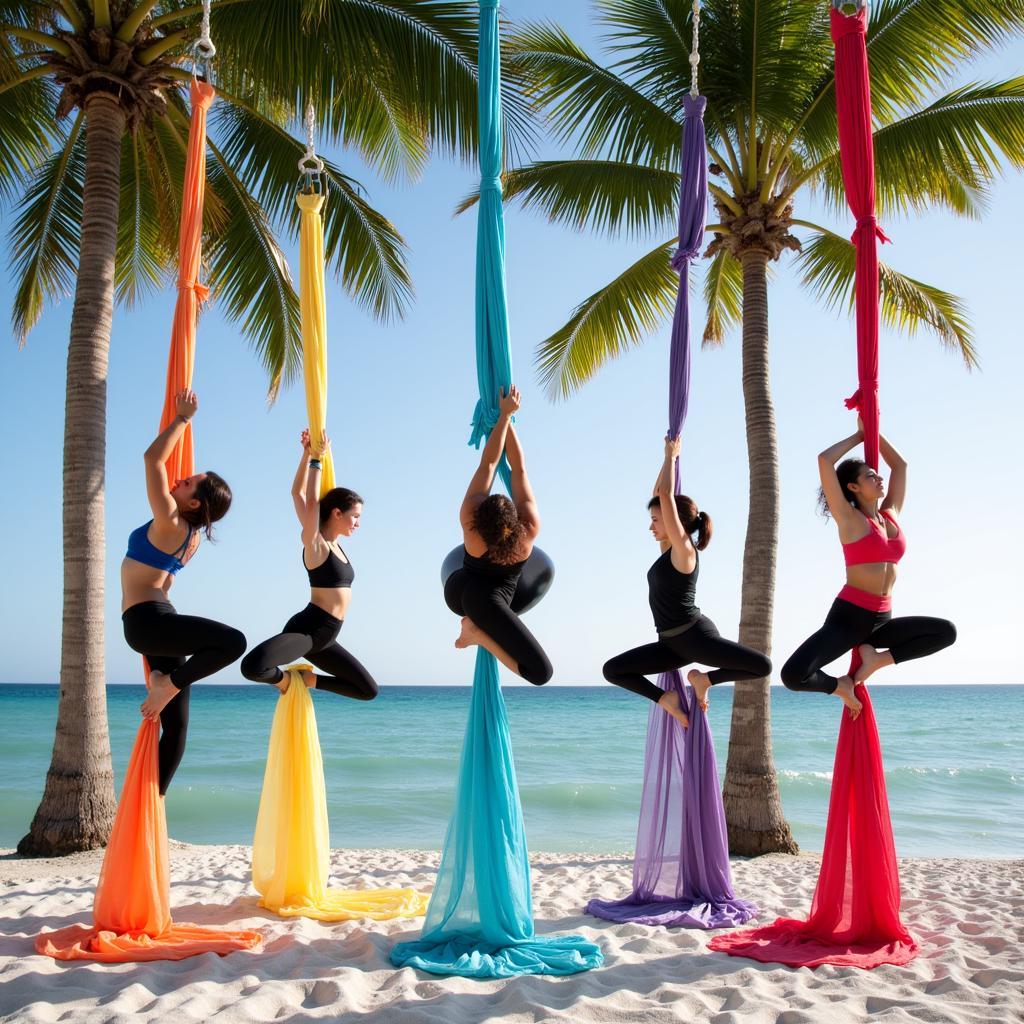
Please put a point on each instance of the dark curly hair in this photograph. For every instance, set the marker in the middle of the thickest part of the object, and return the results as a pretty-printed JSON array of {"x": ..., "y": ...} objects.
[
  {"x": 848, "y": 470},
  {"x": 214, "y": 497},
  {"x": 497, "y": 522},
  {"x": 340, "y": 498},
  {"x": 694, "y": 522}
]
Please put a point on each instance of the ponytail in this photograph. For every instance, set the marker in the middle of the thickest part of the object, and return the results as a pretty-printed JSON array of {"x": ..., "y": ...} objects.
[{"x": 694, "y": 522}]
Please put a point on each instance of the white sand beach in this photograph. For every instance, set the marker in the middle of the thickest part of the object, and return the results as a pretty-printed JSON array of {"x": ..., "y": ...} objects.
[{"x": 968, "y": 916}]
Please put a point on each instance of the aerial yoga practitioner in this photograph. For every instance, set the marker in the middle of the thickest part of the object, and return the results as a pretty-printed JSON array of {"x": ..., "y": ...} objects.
[
  {"x": 480, "y": 919},
  {"x": 855, "y": 912},
  {"x": 291, "y": 845},
  {"x": 684, "y": 634},
  {"x": 681, "y": 873},
  {"x": 131, "y": 912}
]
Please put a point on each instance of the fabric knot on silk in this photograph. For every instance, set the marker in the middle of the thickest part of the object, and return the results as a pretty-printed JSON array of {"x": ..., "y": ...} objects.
[
  {"x": 868, "y": 226},
  {"x": 202, "y": 291},
  {"x": 843, "y": 25},
  {"x": 694, "y": 106},
  {"x": 491, "y": 182},
  {"x": 681, "y": 257},
  {"x": 856, "y": 400}
]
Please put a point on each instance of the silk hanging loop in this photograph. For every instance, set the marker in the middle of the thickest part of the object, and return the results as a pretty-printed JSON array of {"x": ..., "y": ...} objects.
[
  {"x": 203, "y": 50},
  {"x": 311, "y": 167},
  {"x": 695, "y": 51}
]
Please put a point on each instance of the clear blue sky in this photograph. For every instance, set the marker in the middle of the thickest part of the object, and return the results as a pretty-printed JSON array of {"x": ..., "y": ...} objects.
[{"x": 400, "y": 403}]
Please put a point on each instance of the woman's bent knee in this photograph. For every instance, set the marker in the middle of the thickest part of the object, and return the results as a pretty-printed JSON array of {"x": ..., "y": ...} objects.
[
  {"x": 792, "y": 675},
  {"x": 538, "y": 674},
  {"x": 611, "y": 671},
  {"x": 255, "y": 668},
  {"x": 234, "y": 644}
]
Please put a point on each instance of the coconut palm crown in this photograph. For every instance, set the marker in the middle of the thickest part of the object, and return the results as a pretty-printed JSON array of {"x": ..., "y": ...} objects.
[{"x": 767, "y": 70}]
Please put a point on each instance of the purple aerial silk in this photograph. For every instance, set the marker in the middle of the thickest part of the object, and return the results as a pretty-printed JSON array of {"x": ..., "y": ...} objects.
[{"x": 681, "y": 875}]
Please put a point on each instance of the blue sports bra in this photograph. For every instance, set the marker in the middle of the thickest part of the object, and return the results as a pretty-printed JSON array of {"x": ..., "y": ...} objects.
[{"x": 141, "y": 549}]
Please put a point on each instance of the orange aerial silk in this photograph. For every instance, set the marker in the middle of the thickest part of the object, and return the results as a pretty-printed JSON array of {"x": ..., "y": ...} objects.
[{"x": 131, "y": 912}]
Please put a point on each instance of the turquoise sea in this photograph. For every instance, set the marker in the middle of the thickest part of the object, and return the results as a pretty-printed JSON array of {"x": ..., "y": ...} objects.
[{"x": 954, "y": 763}]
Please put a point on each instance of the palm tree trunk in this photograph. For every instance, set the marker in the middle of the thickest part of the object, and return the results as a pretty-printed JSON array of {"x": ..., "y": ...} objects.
[
  {"x": 753, "y": 809},
  {"x": 77, "y": 809}
]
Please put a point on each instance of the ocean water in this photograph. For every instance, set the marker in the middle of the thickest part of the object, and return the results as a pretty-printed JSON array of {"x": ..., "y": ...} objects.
[{"x": 953, "y": 754}]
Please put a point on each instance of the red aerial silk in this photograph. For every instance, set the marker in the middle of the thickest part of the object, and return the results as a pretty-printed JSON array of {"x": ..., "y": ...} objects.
[
  {"x": 857, "y": 153},
  {"x": 855, "y": 913},
  {"x": 131, "y": 912}
]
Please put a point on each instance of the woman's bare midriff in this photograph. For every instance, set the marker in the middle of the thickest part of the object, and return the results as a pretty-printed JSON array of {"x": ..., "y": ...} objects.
[
  {"x": 333, "y": 600},
  {"x": 142, "y": 583},
  {"x": 875, "y": 577}
]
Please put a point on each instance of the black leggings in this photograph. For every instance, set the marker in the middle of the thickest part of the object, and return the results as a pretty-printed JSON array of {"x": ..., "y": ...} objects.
[
  {"x": 187, "y": 648},
  {"x": 701, "y": 643},
  {"x": 847, "y": 626},
  {"x": 487, "y": 606},
  {"x": 311, "y": 634}
]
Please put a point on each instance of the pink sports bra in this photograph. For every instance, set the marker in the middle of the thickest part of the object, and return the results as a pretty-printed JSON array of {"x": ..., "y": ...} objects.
[{"x": 877, "y": 545}]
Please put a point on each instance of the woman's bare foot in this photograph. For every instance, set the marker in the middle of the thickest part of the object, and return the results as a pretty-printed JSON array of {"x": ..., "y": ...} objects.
[
  {"x": 844, "y": 691},
  {"x": 469, "y": 635},
  {"x": 309, "y": 678},
  {"x": 285, "y": 681},
  {"x": 701, "y": 684},
  {"x": 161, "y": 692},
  {"x": 669, "y": 701},
  {"x": 870, "y": 662}
]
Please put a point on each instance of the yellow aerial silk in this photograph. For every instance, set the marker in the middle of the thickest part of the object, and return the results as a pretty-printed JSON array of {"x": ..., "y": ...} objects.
[
  {"x": 313, "y": 303},
  {"x": 291, "y": 847}
]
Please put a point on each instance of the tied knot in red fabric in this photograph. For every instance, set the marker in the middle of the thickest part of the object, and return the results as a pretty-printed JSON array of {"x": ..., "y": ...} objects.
[
  {"x": 842, "y": 25},
  {"x": 868, "y": 225},
  {"x": 856, "y": 400}
]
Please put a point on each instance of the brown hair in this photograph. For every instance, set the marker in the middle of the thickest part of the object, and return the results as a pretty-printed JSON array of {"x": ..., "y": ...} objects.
[
  {"x": 497, "y": 522},
  {"x": 214, "y": 497},
  {"x": 692, "y": 520},
  {"x": 340, "y": 498},
  {"x": 847, "y": 471}
]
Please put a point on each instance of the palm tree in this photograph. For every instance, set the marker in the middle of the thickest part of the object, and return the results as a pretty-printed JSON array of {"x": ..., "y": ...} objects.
[
  {"x": 93, "y": 128},
  {"x": 767, "y": 71}
]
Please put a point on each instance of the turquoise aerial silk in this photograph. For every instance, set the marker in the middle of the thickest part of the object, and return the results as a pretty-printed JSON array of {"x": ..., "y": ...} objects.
[{"x": 480, "y": 920}]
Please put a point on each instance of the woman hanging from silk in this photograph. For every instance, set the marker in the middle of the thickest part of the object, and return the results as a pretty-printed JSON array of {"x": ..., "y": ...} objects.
[
  {"x": 860, "y": 619},
  {"x": 180, "y": 649},
  {"x": 312, "y": 633},
  {"x": 684, "y": 634},
  {"x": 498, "y": 534}
]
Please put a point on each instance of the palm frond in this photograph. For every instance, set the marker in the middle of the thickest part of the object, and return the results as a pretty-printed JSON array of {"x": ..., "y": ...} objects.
[
  {"x": 145, "y": 250},
  {"x": 765, "y": 55},
  {"x": 946, "y": 154},
  {"x": 361, "y": 245},
  {"x": 417, "y": 57},
  {"x": 723, "y": 295},
  {"x": 590, "y": 105},
  {"x": 26, "y": 135},
  {"x": 914, "y": 46},
  {"x": 250, "y": 278},
  {"x": 44, "y": 238},
  {"x": 599, "y": 195},
  {"x": 828, "y": 263},
  {"x": 609, "y": 322}
]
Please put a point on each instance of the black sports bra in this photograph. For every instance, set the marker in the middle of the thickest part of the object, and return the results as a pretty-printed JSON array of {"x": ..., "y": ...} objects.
[{"x": 332, "y": 572}]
